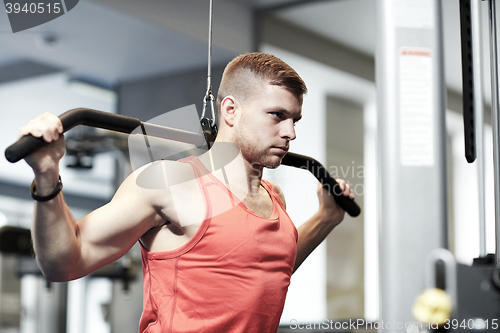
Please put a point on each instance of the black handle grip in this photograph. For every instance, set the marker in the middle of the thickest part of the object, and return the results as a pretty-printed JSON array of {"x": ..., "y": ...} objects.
[
  {"x": 80, "y": 116},
  {"x": 319, "y": 171},
  {"x": 23, "y": 147}
]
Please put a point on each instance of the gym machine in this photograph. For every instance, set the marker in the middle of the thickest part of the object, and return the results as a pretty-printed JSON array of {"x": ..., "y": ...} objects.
[
  {"x": 124, "y": 124},
  {"x": 422, "y": 286}
]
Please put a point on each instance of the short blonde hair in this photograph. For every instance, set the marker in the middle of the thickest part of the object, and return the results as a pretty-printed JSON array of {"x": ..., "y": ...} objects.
[{"x": 242, "y": 70}]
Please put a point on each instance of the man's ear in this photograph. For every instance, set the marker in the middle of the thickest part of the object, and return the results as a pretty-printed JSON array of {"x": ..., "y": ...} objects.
[{"x": 228, "y": 110}]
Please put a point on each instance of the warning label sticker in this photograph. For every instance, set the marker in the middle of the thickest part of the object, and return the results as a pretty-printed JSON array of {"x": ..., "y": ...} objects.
[{"x": 416, "y": 107}]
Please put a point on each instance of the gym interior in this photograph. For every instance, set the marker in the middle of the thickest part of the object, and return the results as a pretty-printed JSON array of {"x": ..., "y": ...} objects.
[{"x": 384, "y": 111}]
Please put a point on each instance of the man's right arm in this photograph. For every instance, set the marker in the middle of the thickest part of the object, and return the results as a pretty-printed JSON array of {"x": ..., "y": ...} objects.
[{"x": 67, "y": 249}]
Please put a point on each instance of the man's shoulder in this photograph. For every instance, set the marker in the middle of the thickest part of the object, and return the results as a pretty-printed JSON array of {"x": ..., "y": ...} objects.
[
  {"x": 151, "y": 184},
  {"x": 160, "y": 175},
  {"x": 274, "y": 185},
  {"x": 278, "y": 191}
]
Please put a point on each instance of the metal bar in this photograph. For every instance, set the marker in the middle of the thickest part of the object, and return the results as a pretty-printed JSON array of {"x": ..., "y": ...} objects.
[
  {"x": 478, "y": 117},
  {"x": 321, "y": 174},
  {"x": 210, "y": 43},
  {"x": 173, "y": 134},
  {"x": 410, "y": 87},
  {"x": 495, "y": 121},
  {"x": 123, "y": 124},
  {"x": 208, "y": 94},
  {"x": 468, "y": 71},
  {"x": 82, "y": 116}
]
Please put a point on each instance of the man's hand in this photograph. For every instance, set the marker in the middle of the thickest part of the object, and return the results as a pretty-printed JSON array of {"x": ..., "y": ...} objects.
[
  {"x": 49, "y": 127},
  {"x": 327, "y": 204}
]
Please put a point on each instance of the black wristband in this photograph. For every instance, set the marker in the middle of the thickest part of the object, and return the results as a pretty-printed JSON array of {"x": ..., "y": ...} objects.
[{"x": 47, "y": 197}]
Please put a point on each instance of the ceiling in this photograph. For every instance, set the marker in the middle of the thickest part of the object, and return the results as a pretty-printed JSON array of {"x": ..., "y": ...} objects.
[
  {"x": 106, "y": 44},
  {"x": 106, "y": 39}
]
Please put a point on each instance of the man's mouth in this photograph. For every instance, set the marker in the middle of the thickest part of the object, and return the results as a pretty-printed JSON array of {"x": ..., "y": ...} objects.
[{"x": 284, "y": 149}]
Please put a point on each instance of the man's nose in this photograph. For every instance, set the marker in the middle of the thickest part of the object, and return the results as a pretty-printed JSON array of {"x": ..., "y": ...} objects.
[{"x": 288, "y": 130}]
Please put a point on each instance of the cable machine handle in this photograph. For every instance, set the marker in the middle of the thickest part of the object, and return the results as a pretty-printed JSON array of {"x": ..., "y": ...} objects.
[
  {"x": 80, "y": 116},
  {"x": 118, "y": 123},
  {"x": 321, "y": 174}
]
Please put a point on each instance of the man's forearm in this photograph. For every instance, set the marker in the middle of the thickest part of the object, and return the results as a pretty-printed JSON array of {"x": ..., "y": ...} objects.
[
  {"x": 54, "y": 232},
  {"x": 312, "y": 233}
]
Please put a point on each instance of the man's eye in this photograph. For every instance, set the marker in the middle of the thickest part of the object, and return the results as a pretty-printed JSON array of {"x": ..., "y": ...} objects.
[{"x": 277, "y": 114}]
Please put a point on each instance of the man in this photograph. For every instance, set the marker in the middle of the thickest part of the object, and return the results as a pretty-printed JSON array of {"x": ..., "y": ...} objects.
[{"x": 208, "y": 266}]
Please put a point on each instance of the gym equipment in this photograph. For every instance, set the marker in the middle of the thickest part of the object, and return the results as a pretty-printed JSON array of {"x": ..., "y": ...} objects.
[
  {"x": 209, "y": 126},
  {"x": 124, "y": 124},
  {"x": 474, "y": 290},
  {"x": 495, "y": 120},
  {"x": 473, "y": 108},
  {"x": 412, "y": 202},
  {"x": 15, "y": 240}
]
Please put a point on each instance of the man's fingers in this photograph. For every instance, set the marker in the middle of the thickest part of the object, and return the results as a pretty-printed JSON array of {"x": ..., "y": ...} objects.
[
  {"x": 346, "y": 188},
  {"x": 51, "y": 126},
  {"x": 55, "y": 122},
  {"x": 342, "y": 188},
  {"x": 45, "y": 125}
]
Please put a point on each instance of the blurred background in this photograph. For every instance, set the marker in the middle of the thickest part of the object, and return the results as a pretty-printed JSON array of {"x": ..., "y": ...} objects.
[{"x": 145, "y": 58}]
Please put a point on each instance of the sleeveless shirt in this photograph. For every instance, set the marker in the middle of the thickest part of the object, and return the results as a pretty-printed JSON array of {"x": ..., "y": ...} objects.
[{"x": 231, "y": 276}]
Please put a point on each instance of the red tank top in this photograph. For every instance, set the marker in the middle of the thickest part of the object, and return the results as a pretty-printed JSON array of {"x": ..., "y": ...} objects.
[{"x": 231, "y": 276}]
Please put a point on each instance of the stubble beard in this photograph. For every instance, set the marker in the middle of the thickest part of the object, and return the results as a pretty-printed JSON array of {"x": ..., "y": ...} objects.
[{"x": 255, "y": 156}]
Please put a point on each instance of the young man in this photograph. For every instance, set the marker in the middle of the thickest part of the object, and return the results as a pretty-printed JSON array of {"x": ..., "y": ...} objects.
[{"x": 218, "y": 252}]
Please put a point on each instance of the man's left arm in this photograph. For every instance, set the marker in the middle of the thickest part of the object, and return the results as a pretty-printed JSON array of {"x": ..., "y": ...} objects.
[{"x": 315, "y": 230}]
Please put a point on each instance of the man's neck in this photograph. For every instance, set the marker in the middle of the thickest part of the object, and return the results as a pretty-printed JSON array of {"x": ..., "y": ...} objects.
[
  {"x": 254, "y": 176},
  {"x": 239, "y": 172}
]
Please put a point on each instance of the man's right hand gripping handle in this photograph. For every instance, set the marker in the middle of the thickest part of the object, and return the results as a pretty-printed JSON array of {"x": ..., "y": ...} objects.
[
  {"x": 45, "y": 161},
  {"x": 49, "y": 224}
]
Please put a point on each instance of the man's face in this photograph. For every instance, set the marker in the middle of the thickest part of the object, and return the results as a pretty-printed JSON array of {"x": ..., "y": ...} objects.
[{"x": 265, "y": 124}]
